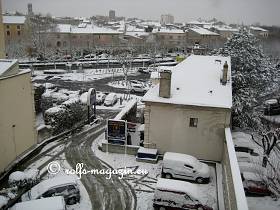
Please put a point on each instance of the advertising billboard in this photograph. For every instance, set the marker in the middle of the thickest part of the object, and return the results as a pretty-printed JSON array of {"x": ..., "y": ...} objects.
[{"x": 116, "y": 131}]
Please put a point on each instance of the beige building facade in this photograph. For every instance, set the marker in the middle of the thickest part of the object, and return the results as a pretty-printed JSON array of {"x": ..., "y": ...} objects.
[
  {"x": 189, "y": 112},
  {"x": 168, "y": 129},
  {"x": 17, "y": 113},
  {"x": 2, "y": 39}
]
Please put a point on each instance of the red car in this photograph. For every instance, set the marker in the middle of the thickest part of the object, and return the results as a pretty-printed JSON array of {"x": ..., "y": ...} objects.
[{"x": 254, "y": 185}]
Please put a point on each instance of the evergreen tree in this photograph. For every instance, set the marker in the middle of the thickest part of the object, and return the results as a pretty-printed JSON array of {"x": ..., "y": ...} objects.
[{"x": 252, "y": 75}]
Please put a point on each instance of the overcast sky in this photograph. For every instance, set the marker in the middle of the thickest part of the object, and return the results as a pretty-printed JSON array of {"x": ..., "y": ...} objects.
[{"x": 232, "y": 11}]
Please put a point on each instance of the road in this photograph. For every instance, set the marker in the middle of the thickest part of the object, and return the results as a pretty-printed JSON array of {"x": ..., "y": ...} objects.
[
  {"x": 113, "y": 194},
  {"x": 99, "y": 85},
  {"x": 104, "y": 193}
]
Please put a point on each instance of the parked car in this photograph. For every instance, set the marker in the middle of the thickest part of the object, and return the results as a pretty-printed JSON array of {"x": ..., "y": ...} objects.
[
  {"x": 253, "y": 184},
  {"x": 52, "y": 203},
  {"x": 100, "y": 98},
  {"x": 137, "y": 88},
  {"x": 242, "y": 142},
  {"x": 182, "y": 166},
  {"x": 111, "y": 99},
  {"x": 65, "y": 186},
  {"x": 251, "y": 167},
  {"x": 247, "y": 157},
  {"x": 174, "y": 194}
]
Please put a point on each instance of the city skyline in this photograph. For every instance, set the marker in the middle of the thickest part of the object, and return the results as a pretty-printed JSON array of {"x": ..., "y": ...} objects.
[{"x": 238, "y": 11}]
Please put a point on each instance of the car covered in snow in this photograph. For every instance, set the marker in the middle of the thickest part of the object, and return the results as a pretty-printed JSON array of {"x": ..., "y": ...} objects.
[
  {"x": 175, "y": 194},
  {"x": 254, "y": 184},
  {"x": 182, "y": 166},
  {"x": 138, "y": 88},
  {"x": 100, "y": 98},
  {"x": 53, "y": 203},
  {"x": 65, "y": 186},
  {"x": 111, "y": 99},
  {"x": 242, "y": 142}
]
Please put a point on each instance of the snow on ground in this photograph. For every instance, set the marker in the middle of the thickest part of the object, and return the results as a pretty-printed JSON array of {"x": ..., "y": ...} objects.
[
  {"x": 144, "y": 185},
  {"x": 86, "y": 75},
  {"x": 263, "y": 203},
  {"x": 274, "y": 119},
  {"x": 258, "y": 203},
  {"x": 124, "y": 102},
  {"x": 40, "y": 120},
  {"x": 85, "y": 202}
]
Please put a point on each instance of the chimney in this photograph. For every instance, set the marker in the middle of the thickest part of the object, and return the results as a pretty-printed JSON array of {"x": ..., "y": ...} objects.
[
  {"x": 165, "y": 84},
  {"x": 225, "y": 73}
]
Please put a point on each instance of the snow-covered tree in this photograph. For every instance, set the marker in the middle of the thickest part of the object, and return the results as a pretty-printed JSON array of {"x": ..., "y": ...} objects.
[{"x": 252, "y": 74}]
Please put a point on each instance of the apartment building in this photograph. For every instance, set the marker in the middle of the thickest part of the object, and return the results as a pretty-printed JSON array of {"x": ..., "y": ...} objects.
[
  {"x": 14, "y": 28},
  {"x": 202, "y": 36},
  {"x": 189, "y": 112},
  {"x": 258, "y": 31},
  {"x": 170, "y": 37},
  {"x": 68, "y": 37},
  {"x": 17, "y": 113},
  {"x": 166, "y": 19}
]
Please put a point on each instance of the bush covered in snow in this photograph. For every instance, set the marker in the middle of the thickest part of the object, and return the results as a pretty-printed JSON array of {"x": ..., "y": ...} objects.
[
  {"x": 252, "y": 74},
  {"x": 24, "y": 179},
  {"x": 66, "y": 115}
]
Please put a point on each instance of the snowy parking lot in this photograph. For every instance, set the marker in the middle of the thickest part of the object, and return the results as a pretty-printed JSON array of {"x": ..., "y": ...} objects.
[{"x": 144, "y": 185}]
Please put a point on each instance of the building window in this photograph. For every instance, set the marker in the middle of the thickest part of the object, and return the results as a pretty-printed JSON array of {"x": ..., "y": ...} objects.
[
  {"x": 7, "y": 26},
  {"x": 18, "y": 33},
  {"x": 8, "y": 33},
  {"x": 18, "y": 27},
  {"x": 58, "y": 44},
  {"x": 193, "y": 122}
]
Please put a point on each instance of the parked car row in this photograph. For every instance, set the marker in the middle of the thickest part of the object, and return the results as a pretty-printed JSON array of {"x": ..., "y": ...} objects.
[
  {"x": 178, "y": 194},
  {"x": 52, "y": 193},
  {"x": 251, "y": 170}
]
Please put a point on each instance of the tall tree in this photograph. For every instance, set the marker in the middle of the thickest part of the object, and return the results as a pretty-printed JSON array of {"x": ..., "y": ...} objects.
[{"x": 252, "y": 74}]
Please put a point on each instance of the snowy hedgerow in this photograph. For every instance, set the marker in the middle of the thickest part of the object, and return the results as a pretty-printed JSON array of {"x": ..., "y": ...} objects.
[
  {"x": 24, "y": 179},
  {"x": 252, "y": 74},
  {"x": 66, "y": 115}
]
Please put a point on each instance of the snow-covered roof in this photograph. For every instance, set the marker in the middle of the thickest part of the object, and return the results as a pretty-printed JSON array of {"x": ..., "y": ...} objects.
[
  {"x": 196, "y": 22},
  {"x": 136, "y": 33},
  {"x": 54, "y": 203},
  {"x": 196, "y": 81},
  {"x": 45, "y": 185},
  {"x": 255, "y": 28},
  {"x": 225, "y": 28},
  {"x": 180, "y": 158},
  {"x": 178, "y": 186},
  {"x": 14, "y": 19},
  {"x": 252, "y": 176},
  {"x": 203, "y": 31},
  {"x": 5, "y": 65},
  {"x": 147, "y": 151},
  {"x": 86, "y": 29},
  {"x": 168, "y": 31}
]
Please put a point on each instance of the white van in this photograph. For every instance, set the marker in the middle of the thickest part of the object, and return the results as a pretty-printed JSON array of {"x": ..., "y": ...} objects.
[
  {"x": 52, "y": 203},
  {"x": 182, "y": 166},
  {"x": 178, "y": 195},
  {"x": 111, "y": 99}
]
